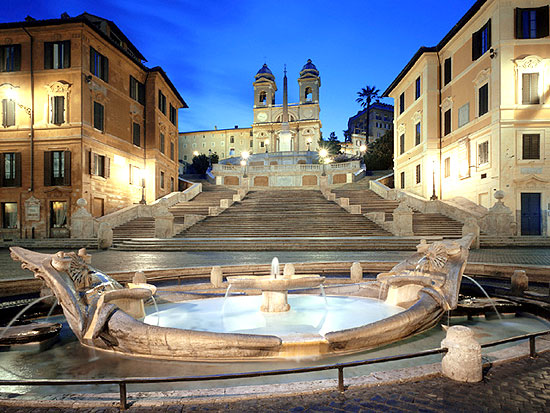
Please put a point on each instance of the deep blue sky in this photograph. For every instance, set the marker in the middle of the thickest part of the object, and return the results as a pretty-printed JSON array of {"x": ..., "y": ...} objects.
[{"x": 211, "y": 50}]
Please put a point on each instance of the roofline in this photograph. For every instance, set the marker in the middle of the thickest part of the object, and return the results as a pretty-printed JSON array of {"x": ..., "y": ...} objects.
[
  {"x": 159, "y": 69},
  {"x": 456, "y": 28},
  {"x": 213, "y": 130}
]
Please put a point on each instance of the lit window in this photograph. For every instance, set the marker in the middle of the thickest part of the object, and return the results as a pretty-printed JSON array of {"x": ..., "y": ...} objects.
[
  {"x": 447, "y": 167},
  {"x": 10, "y": 58},
  {"x": 481, "y": 41},
  {"x": 532, "y": 23},
  {"x": 483, "y": 153},
  {"x": 57, "y": 55},
  {"x": 8, "y": 113},
  {"x": 530, "y": 88},
  {"x": 9, "y": 215}
]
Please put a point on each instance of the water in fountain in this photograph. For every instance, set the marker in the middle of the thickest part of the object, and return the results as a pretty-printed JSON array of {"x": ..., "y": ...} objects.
[
  {"x": 275, "y": 268},
  {"x": 156, "y": 308},
  {"x": 20, "y": 313},
  {"x": 420, "y": 266},
  {"x": 51, "y": 310},
  {"x": 322, "y": 287},
  {"x": 224, "y": 297},
  {"x": 486, "y": 295}
]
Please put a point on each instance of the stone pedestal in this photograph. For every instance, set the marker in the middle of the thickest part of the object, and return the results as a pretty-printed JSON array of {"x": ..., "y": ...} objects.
[
  {"x": 274, "y": 302},
  {"x": 289, "y": 270},
  {"x": 216, "y": 276},
  {"x": 225, "y": 203},
  {"x": 343, "y": 202},
  {"x": 471, "y": 227},
  {"x": 500, "y": 220},
  {"x": 355, "y": 209},
  {"x": 356, "y": 272},
  {"x": 82, "y": 222},
  {"x": 463, "y": 360},
  {"x": 520, "y": 282},
  {"x": 104, "y": 236},
  {"x": 164, "y": 221},
  {"x": 323, "y": 182},
  {"x": 403, "y": 220},
  {"x": 237, "y": 198}
]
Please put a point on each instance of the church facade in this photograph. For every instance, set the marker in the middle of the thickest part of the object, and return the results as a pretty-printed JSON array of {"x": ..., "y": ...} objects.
[{"x": 265, "y": 134}]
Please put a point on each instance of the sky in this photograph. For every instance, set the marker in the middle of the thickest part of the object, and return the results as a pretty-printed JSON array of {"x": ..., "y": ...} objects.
[{"x": 211, "y": 49}]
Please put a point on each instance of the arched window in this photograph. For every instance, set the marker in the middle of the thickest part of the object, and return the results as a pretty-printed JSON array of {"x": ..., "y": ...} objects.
[
  {"x": 263, "y": 98},
  {"x": 308, "y": 94}
]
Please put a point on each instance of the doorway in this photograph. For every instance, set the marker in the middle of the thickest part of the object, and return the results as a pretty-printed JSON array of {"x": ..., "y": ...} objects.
[{"x": 531, "y": 216}]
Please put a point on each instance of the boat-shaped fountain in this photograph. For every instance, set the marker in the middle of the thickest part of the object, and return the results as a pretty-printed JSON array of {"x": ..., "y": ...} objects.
[{"x": 407, "y": 300}]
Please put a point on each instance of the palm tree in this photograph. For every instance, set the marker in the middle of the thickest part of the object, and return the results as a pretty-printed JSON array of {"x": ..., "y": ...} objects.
[{"x": 365, "y": 97}]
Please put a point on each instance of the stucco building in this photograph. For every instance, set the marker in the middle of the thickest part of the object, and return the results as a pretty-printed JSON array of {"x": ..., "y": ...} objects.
[
  {"x": 472, "y": 114},
  {"x": 380, "y": 117},
  {"x": 265, "y": 133},
  {"x": 82, "y": 117}
]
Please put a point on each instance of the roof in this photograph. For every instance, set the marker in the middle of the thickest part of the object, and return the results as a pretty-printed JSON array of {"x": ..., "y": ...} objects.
[
  {"x": 264, "y": 72},
  {"x": 159, "y": 69},
  {"x": 456, "y": 28},
  {"x": 309, "y": 69},
  {"x": 216, "y": 130}
]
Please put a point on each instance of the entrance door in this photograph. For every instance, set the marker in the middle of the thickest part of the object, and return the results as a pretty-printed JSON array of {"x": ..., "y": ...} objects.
[
  {"x": 530, "y": 214},
  {"x": 58, "y": 219}
]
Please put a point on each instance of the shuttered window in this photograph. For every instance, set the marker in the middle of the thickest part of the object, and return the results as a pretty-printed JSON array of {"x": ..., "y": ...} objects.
[
  {"x": 417, "y": 134},
  {"x": 447, "y": 70},
  {"x": 162, "y": 142},
  {"x": 447, "y": 166},
  {"x": 99, "y": 65},
  {"x": 402, "y": 180},
  {"x": 99, "y": 116},
  {"x": 172, "y": 150},
  {"x": 9, "y": 215},
  {"x": 57, "y": 55},
  {"x": 10, "y": 58},
  {"x": 447, "y": 122},
  {"x": 100, "y": 165},
  {"x": 531, "y": 146},
  {"x": 484, "y": 99},
  {"x": 162, "y": 180},
  {"x": 402, "y": 103},
  {"x": 137, "y": 90},
  {"x": 57, "y": 110},
  {"x": 402, "y": 144},
  {"x": 57, "y": 168},
  {"x": 136, "y": 134},
  {"x": 162, "y": 102},
  {"x": 483, "y": 153},
  {"x": 8, "y": 113},
  {"x": 481, "y": 41},
  {"x": 10, "y": 169},
  {"x": 173, "y": 114},
  {"x": 417, "y": 88},
  {"x": 418, "y": 174},
  {"x": 530, "y": 88},
  {"x": 532, "y": 23}
]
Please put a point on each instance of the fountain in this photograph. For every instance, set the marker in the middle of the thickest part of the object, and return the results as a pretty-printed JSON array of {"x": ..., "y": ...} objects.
[{"x": 104, "y": 315}]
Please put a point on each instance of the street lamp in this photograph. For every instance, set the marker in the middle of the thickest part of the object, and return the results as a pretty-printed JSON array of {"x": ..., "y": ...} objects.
[
  {"x": 143, "y": 201},
  {"x": 308, "y": 141},
  {"x": 243, "y": 164},
  {"x": 323, "y": 153},
  {"x": 195, "y": 153},
  {"x": 266, "y": 144},
  {"x": 11, "y": 94},
  {"x": 434, "y": 196}
]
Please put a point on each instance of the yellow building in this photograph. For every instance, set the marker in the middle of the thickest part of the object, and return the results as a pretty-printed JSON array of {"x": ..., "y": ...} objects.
[
  {"x": 82, "y": 117},
  {"x": 472, "y": 114},
  {"x": 265, "y": 134}
]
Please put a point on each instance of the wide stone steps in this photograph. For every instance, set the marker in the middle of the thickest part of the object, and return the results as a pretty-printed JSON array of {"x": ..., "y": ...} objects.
[
  {"x": 489, "y": 241},
  {"x": 423, "y": 224}
]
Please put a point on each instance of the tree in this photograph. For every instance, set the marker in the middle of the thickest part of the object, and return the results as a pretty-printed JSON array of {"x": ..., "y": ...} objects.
[
  {"x": 332, "y": 145},
  {"x": 365, "y": 97},
  {"x": 379, "y": 155},
  {"x": 200, "y": 164}
]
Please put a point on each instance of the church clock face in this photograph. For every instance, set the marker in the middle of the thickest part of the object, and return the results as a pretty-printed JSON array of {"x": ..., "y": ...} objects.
[
  {"x": 262, "y": 116},
  {"x": 308, "y": 113}
]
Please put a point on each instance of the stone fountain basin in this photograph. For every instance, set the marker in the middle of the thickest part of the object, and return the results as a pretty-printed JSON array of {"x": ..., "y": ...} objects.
[{"x": 268, "y": 283}]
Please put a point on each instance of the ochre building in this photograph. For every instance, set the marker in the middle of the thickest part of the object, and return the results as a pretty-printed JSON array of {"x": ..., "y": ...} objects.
[
  {"x": 472, "y": 114},
  {"x": 264, "y": 135},
  {"x": 82, "y": 117}
]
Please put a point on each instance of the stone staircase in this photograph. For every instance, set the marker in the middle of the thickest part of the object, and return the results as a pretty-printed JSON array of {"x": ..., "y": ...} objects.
[
  {"x": 144, "y": 227},
  {"x": 423, "y": 224}
]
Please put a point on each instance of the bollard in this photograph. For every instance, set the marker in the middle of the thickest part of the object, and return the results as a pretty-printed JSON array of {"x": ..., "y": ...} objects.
[
  {"x": 356, "y": 272},
  {"x": 216, "y": 276},
  {"x": 463, "y": 359}
]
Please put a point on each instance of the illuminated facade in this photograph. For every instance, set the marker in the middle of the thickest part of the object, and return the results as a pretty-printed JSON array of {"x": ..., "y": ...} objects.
[
  {"x": 264, "y": 135},
  {"x": 87, "y": 120},
  {"x": 472, "y": 113}
]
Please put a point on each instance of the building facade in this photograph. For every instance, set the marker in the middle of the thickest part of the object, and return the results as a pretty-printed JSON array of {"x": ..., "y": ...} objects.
[
  {"x": 472, "y": 114},
  {"x": 82, "y": 117},
  {"x": 264, "y": 134},
  {"x": 380, "y": 122}
]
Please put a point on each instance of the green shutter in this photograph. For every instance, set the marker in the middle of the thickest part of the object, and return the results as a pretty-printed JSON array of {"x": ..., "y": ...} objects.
[
  {"x": 18, "y": 169},
  {"x": 48, "y": 53},
  {"x": 519, "y": 23},
  {"x": 17, "y": 57},
  {"x": 67, "y": 171},
  {"x": 47, "y": 168},
  {"x": 105, "y": 68}
]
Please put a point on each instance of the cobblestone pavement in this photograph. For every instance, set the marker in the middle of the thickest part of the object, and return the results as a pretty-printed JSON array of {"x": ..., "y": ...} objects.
[
  {"x": 521, "y": 386},
  {"x": 112, "y": 260}
]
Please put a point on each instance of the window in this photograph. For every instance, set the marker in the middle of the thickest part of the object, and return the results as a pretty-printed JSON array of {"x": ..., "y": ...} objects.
[
  {"x": 10, "y": 58},
  {"x": 531, "y": 146},
  {"x": 99, "y": 112},
  {"x": 9, "y": 215},
  {"x": 402, "y": 103},
  {"x": 402, "y": 180},
  {"x": 483, "y": 153},
  {"x": 162, "y": 142},
  {"x": 447, "y": 122},
  {"x": 232, "y": 140},
  {"x": 10, "y": 169},
  {"x": 532, "y": 23},
  {"x": 481, "y": 41},
  {"x": 484, "y": 99},
  {"x": 100, "y": 165},
  {"x": 530, "y": 88},
  {"x": 447, "y": 167},
  {"x": 463, "y": 115},
  {"x": 136, "y": 134},
  {"x": 171, "y": 184},
  {"x": 447, "y": 70},
  {"x": 417, "y": 134},
  {"x": 57, "y": 168},
  {"x": 57, "y": 110},
  {"x": 57, "y": 55},
  {"x": 162, "y": 179},
  {"x": 172, "y": 150},
  {"x": 251, "y": 143},
  {"x": 173, "y": 114},
  {"x": 262, "y": 98},
  {"x": 58, "y": 214},
  {"x": 417, "y": 88},
  {"x": 418, "y": 175},
  {"x": 402, "y": 144},
  {"x": 137, "y": 90},
  {"x": 99, "y": 65},
  {"x": 162, "y": 102},
  {"x": 8, "y": 113}
]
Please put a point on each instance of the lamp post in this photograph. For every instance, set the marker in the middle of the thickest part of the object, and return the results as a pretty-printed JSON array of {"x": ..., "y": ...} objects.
[
  {"x": 308, "y": 141},
  {"x": 266, "y": 145},
  {"x": 323, "y": 153},
  {"x": 143, "y": 201},
  {"x": 434, "y": 196},
  {"x": 244, "y": 156}
]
